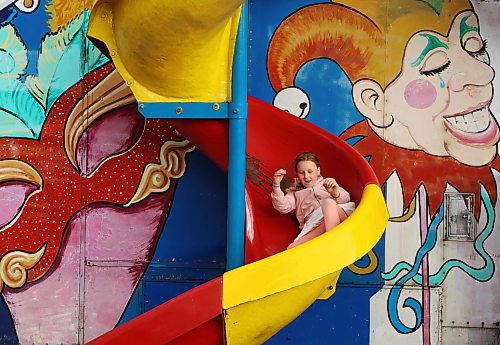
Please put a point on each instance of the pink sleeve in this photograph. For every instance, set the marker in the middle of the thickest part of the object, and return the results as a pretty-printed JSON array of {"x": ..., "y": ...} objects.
[
  {"x": 283, "y": 203},
  {"x": 343, "y": 197}
]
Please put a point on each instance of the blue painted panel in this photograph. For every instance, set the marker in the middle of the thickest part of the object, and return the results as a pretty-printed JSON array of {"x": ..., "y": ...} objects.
[
  {"x": 155, "y": 292},
  {"x": 342, "y": 319},
  {"x": 195, "y": 228},
  {"x": 333, "y": 111},
  {"x": 7, "y": 331},
  {"x": 32, "y": 27}
]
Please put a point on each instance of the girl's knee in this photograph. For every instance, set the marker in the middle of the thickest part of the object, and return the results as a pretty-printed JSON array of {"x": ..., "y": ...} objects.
[
  {"x": 328, "y": 203},
  {"x": 328, "y": 206}
]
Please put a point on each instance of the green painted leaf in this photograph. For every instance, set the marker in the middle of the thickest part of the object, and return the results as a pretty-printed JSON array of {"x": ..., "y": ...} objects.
[
  {"x": 13, "y": 55},
  {"x": 436, "y": 5},
  {"x": 21, "y": 116}
]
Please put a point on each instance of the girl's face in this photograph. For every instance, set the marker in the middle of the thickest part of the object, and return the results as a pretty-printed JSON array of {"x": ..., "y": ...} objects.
[{"x": 308, "y": 173}]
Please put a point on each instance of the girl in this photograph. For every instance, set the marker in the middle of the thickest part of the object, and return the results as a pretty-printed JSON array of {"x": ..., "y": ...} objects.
[{"x": 319, "y": 204}]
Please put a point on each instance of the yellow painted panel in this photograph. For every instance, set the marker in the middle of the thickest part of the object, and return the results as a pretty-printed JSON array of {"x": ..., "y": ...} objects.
[{"x": 170, "y": 50}]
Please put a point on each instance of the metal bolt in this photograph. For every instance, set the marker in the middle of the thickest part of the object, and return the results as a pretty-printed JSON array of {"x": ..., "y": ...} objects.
[
  {"x": 141, "y": 106},
  {"x": 236, "y": 111},
  {"x": 178, "y": 110},
  {"x": 330, "y": 287},
  {"x": 216, "y": 106}
]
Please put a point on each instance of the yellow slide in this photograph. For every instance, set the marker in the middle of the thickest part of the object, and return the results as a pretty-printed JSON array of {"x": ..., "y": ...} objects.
[{"x": 170, "y": 50}]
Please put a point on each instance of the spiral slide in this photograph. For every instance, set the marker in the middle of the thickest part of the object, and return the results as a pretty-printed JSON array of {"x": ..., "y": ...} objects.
[{"x": 251, "y": 303}]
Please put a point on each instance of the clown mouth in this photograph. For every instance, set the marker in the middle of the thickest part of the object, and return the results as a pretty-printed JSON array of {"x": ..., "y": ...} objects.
[{"x": 474, "y": 127}]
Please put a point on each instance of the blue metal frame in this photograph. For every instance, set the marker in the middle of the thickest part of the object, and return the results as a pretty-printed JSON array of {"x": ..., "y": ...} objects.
[
  {"x": 177, "y": 110},
  {"x": 236, "y": 112}
]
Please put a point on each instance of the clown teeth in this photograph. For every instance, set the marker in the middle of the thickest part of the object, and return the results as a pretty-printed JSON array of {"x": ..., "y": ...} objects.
[{"x": 474, "y": 122}]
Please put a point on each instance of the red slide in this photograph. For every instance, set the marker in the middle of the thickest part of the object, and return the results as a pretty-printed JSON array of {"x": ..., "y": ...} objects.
[{"x": 274, "y": 138}]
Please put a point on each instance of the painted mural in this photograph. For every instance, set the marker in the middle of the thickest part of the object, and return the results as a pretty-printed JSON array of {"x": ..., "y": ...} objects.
[
  {"x": 87, "y": 185},
  {"x": 412, "y": 91},
  {"x": 83, "y": 178}
]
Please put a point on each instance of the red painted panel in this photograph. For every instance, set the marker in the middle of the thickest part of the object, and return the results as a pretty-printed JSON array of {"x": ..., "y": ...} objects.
[{"x": 195, "y": 314}]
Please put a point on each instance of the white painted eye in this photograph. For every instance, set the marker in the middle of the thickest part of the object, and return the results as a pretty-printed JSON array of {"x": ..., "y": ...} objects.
[
  {"x": 27, "y": 6},
  {"x": 294, "y": 101}
]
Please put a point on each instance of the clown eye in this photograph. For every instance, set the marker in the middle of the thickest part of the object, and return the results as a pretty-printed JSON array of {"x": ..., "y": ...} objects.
[
  {"x": 435, "y": 63},
  {"x": 436, "y": 70},
  {"x": 293, "y": 100},
  {"x": 476, "y": 47}
]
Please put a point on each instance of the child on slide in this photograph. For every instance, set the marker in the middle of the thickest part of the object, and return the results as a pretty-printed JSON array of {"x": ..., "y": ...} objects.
[{"x": 319, "y": 204}]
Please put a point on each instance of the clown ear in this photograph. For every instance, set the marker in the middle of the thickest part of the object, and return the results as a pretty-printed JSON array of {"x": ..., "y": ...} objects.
[{"x": 369, "y": 99}]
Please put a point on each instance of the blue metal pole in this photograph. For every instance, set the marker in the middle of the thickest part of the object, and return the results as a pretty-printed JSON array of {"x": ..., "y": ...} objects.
[{"x": 238, "y": 110}]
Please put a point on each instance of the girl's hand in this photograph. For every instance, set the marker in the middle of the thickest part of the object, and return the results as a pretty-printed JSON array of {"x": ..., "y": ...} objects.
[
  {"x": 278, "y": 176},
  {"x": 332, "y": 187}
]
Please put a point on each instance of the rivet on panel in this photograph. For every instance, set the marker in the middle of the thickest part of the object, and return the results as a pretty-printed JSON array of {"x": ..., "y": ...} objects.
[
  {"x": 141, "y": 106},
  {"x": 178, "y": 110},
  {"x": 216, "y": 106}
]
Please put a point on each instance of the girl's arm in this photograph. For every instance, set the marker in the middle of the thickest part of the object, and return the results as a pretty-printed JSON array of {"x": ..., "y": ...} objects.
[
  {"x": 281, "y": 202},
  {"x": 338, "y": 193},
  {"x": 343, "y": 197}
]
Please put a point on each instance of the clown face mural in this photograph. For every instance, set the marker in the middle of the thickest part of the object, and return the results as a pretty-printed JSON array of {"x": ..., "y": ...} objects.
[
  {"x": 420, "y": 75},
  {"x": 85, "y": 184},
  {"x": 440, "y": 101}
]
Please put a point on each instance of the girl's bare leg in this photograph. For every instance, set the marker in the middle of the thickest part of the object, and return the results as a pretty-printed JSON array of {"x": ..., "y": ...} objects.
[
  {"x": 309, "y": 236},
  {"x": 332, "y": 213}
]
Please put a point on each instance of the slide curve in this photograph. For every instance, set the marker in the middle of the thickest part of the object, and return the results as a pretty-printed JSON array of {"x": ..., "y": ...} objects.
[{"x": 251, "y": 303}]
